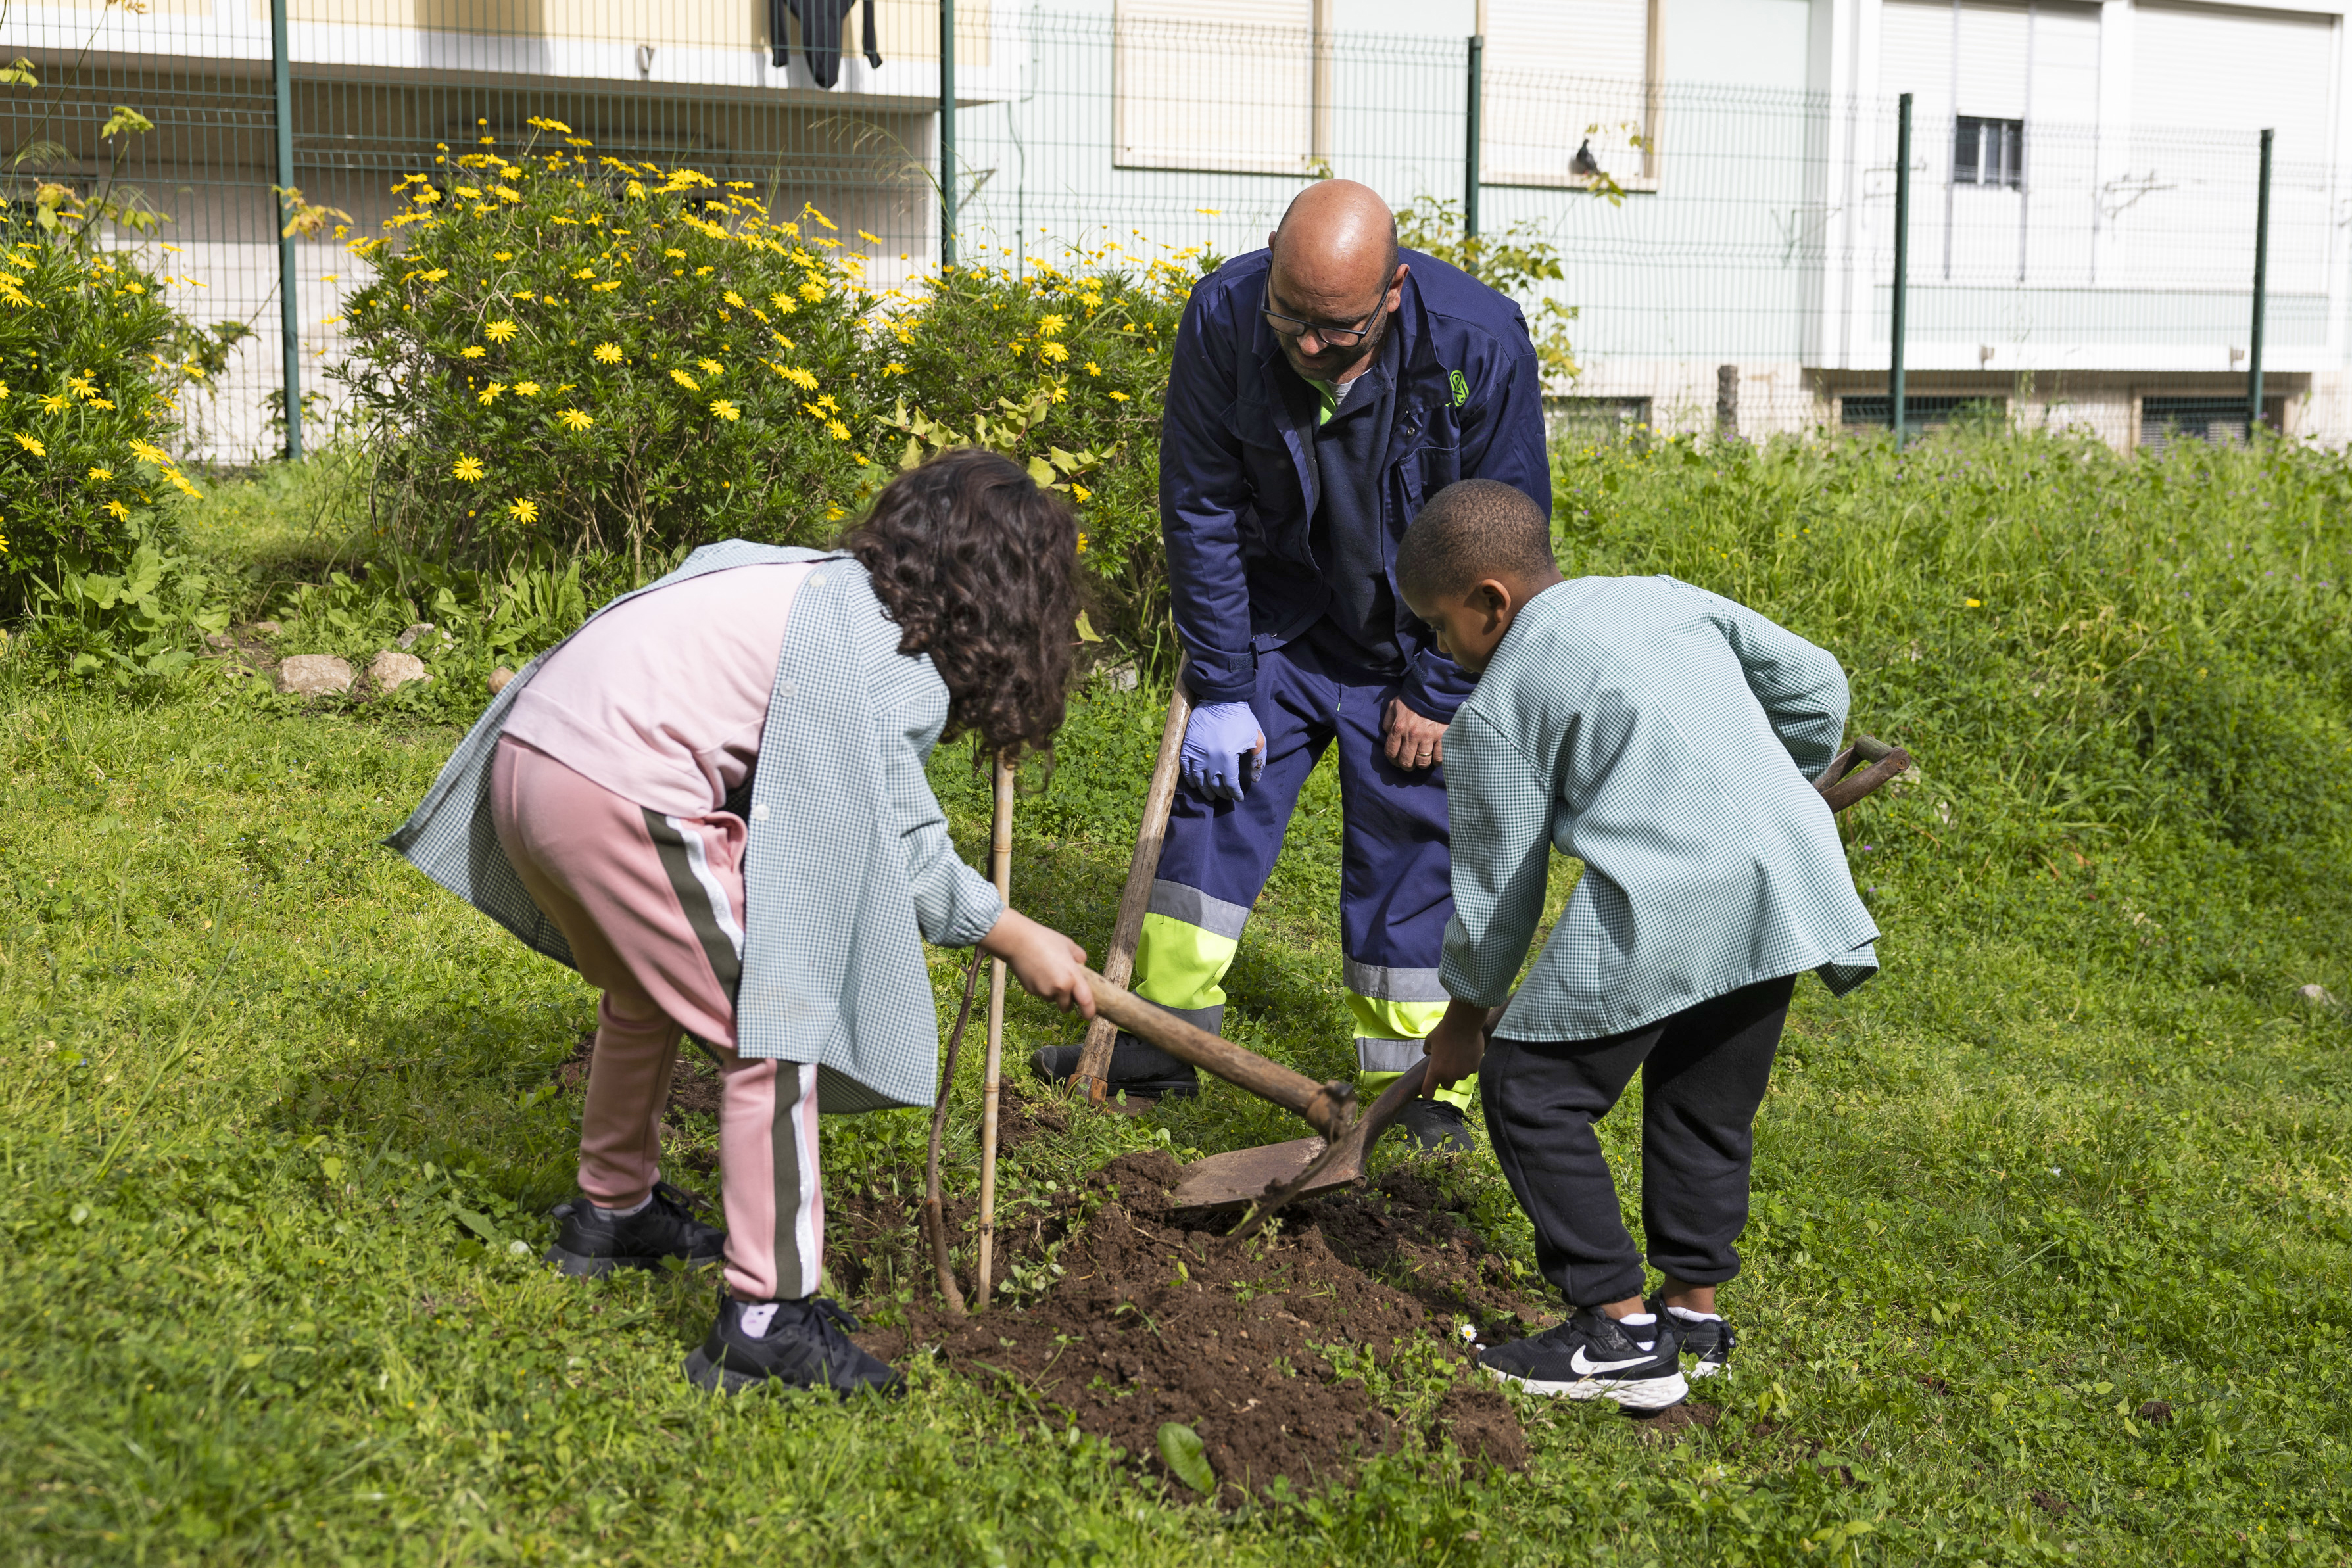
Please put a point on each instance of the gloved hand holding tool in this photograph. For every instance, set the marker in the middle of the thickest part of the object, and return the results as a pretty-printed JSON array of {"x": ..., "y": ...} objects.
[{"x": 1224, "y": 750}]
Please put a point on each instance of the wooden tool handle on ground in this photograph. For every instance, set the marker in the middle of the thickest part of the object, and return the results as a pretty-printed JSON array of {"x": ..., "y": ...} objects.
[
  {"x": 1325, "y": 1107},
  {"x": 1119, "y": 965}
]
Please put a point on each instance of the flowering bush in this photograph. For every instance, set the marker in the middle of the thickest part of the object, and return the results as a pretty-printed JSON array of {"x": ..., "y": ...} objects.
[
  {"x": 560, "y": 353},
  {"x": 590, "y": 354},
  {"x": 87, "y": 546}
]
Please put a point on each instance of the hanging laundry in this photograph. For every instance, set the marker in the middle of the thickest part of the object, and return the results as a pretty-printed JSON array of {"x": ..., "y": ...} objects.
[{"x": 820, "y": 29}]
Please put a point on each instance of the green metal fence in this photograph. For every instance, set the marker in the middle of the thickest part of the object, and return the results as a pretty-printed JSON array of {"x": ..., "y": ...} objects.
[{"x": 1730, "y": 250}]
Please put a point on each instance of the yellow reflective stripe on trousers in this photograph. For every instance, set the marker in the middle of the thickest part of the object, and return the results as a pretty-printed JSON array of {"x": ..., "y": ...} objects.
[
  {"x": 1179, "y": 965},
  {"x": 1377, "y": 1019},
  {"x": 1462, "y": 1095}
]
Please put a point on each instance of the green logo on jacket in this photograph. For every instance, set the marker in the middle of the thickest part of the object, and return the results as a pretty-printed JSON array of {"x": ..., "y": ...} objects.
[{"x": 1461, "y": 388}]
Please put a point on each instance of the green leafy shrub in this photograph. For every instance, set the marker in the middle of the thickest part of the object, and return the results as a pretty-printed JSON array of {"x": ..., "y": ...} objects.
[
  {"x": 90, "y": 550},
  {"x": 1084, "y": 351},
  {"x": 560, "y": 354},
  {"x": 593, "y": 355}
]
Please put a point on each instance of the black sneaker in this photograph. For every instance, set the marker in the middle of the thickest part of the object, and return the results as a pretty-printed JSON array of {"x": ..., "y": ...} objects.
[
  {"x": 806, "y": 1345},
  {"x": 1435, "y": 1126},
  {"x": 1143, "y": 1072},
  {"x": 1709, "y": 1338},
  {"x": 1591, "y": 1356},
  {"x": 592, "y": 1243}
]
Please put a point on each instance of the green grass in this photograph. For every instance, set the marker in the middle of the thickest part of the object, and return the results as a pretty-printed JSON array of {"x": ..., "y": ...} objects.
[{"x": 273, "y": 1111}]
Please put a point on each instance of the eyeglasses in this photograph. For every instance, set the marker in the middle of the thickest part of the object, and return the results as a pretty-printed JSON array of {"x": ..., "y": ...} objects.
[{"x": 1338, "y": 336}]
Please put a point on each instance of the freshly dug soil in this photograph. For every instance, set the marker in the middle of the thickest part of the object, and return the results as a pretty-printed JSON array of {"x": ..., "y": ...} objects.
[
  {"x": 693, "y": 1087},
  {"x": 1156, "y": 1318}
]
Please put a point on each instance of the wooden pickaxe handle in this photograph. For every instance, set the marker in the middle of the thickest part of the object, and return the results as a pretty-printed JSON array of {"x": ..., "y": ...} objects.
[
  {"x": 1328, "y": 1108},
  {"x": 1118, "y": 964},
  {"x": 1842, "y": 786}
]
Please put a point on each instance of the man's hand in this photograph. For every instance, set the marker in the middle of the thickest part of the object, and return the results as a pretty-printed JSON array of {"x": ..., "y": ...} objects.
[
  {"x": 1456, "y": 1047},
  {"x": 1046, "y": 963},
  {"x": 1224, "y": 750},
  {"x": 1413, "y": 741}
]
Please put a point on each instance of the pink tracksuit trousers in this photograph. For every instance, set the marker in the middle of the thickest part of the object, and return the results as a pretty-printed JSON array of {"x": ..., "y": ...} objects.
[{"x": 652, "y": 906}]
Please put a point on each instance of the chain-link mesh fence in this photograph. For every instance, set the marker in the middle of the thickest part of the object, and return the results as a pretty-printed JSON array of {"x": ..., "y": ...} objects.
[{"x": 1728, "y": 250}]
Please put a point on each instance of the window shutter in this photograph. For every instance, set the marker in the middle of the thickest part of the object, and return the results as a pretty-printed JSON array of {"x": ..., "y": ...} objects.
[
  {"x": 1223, "y": 84},
  {"x": 1560, "y": 73}
]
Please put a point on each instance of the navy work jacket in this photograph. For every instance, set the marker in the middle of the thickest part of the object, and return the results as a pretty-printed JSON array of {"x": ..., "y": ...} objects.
[{"x": 1238, "y": 486}]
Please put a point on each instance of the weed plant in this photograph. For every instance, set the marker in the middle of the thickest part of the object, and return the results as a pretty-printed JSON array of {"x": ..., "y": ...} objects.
[{"x": 2052, "y": 1237}]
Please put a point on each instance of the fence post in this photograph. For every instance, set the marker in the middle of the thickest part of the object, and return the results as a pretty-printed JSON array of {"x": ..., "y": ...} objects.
[
  {"x": 1470, "y": 138},
  {"x": 1895, "y": 410},
  {"x": 2262, "y": 292},
  {"x": 289, "y": 317},
  {"x": 947, "y": 133}
]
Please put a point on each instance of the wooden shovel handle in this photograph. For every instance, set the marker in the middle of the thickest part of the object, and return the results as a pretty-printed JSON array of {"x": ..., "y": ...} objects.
[
  {"x": 1842, "y": 786},
  {"x": 1326, "y": 1107},
  {"x": 1118, "y": 964}
]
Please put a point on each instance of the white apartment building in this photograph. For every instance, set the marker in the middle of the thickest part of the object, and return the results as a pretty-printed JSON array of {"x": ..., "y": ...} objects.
[{"x": 2083, "y": 172}]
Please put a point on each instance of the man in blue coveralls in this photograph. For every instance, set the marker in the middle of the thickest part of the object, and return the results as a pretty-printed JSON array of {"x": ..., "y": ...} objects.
[{"x": 1321, "y": 390}]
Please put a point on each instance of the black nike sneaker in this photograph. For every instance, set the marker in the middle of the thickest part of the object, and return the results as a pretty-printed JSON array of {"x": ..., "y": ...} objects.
[
  {"x": 1593, "y": 1356},
  {"x": 1143, "y": 1072},
  {"x": 1435, "y": 1126},
  {"x": 801, "y": 1344},
  {"x": 592, "y": 1243},
  {"x": 1709, "y": 1338}
]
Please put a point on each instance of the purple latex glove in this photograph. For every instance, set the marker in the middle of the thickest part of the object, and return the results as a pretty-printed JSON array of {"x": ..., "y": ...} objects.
[{"x": 1225, "y": 751}]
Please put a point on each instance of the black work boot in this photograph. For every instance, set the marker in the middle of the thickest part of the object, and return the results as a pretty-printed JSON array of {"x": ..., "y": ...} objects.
[
  {"x": 1144, "y": 1072},
  {"x": 592, "y": 1243},
  {"x": 804, "y": 1344},
  {"x": 1435, "y": 1126}
]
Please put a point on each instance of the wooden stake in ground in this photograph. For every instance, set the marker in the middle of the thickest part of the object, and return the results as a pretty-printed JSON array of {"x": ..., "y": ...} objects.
[
  {"x": 935, "y": 1220},
  {"x": 999, "y": 871},
  {"x": 1093, "y": 1074}
]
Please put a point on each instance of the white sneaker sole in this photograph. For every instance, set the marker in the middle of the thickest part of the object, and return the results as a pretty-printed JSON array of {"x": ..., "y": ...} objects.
[
  {"x": 1629, "y": 1393},
  {"x": 1708, "y": 1369}
]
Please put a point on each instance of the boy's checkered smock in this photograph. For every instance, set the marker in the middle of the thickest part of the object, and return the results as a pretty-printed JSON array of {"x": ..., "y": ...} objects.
[
  {"x": 1665, "y": 737},
  {"x": 847, "y": 857}
]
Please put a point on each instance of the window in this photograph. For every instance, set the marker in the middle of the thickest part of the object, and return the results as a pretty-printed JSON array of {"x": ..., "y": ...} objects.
[
  {"x": 1597, "y": 420},
  {"x": 1568, "y": 87},
  {"x": 1988, "y": 152},
  {"x": 1223, "y": 84},
  {"x": 2220, "y": 420},
  {"x": 1921, "y": 412}
]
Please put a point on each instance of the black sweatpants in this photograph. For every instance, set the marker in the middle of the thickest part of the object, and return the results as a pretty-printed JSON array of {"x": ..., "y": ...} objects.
[{"x": 1704, "y": 1071}]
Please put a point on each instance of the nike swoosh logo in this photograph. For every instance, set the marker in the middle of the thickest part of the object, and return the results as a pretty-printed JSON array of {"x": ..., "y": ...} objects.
[{"x": 1587, "y": 1368}]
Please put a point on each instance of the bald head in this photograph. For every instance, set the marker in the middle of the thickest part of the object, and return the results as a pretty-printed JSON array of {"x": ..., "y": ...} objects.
[
  {"x": 1339, "y": 232},
  {"x": 1334, "y": 264}
]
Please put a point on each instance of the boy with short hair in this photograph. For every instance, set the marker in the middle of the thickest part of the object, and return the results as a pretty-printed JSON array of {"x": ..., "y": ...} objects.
[{"x": 1666, "y": 737}]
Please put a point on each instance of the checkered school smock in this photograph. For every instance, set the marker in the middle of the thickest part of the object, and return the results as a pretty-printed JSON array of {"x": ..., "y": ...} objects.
[
  {"x": 1666, "y": 737},
  {"x": 847, "y": 863}
]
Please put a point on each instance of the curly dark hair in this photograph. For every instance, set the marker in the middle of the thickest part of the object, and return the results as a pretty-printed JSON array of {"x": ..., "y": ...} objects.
[{"x": 977, "y": 564}]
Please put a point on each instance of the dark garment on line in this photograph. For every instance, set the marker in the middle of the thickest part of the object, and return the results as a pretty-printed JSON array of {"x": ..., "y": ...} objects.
[
  {"x": 820, "y": 26},
  {"x": 1704, "y": 1072},
  {"x": 1349, "y": 536}
]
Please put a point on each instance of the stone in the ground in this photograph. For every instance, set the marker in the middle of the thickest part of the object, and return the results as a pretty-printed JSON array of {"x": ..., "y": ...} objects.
[
  {"x": 2317, "y": 995},
  {"x": 498, "y": 679},
  {"x": 392, "y": 670},
  {"x": 219, "y": 642},
  {"x": 408, "y": 639},
  {"x": 266, "y": 629},
  {"x": 1122, "y": 677},
  {"x": 313, "y": 676}
]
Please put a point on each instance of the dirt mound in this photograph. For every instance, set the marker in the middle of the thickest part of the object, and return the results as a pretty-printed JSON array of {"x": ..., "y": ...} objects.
[{"x": 1156, "y": 1318}]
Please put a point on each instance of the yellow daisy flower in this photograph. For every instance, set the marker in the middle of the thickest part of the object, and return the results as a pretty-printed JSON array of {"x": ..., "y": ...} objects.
[
  {"x": 837, "y": 430},
  {"x": 1119, "y": 397},
  {"x": 726, "y": 410},
  {"x": 1093, "y": 369},
  {"x": 524, "y": 510},
  {"x": 575, "y": 420},
  {"x": 1050, "y": 326},
  {"x": 56, "y": 403},
  {"x": 712, "y": 367},
  {"x": 118, "y": 509},
  {"x": 101, "y": 473},
  {"x": 526, "y": 389},
  {"x": 473, "y": 351},
  {"x": 31, "y": 446},
  {"x": 735, "y": 299},
  {"x": 489, "y": 393},
  {"x": 467, "y": 468},
  {"x": 687, "y": 382},
  {"x": 607, "y": 353},
  {"x": 500, "y": 331}
]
